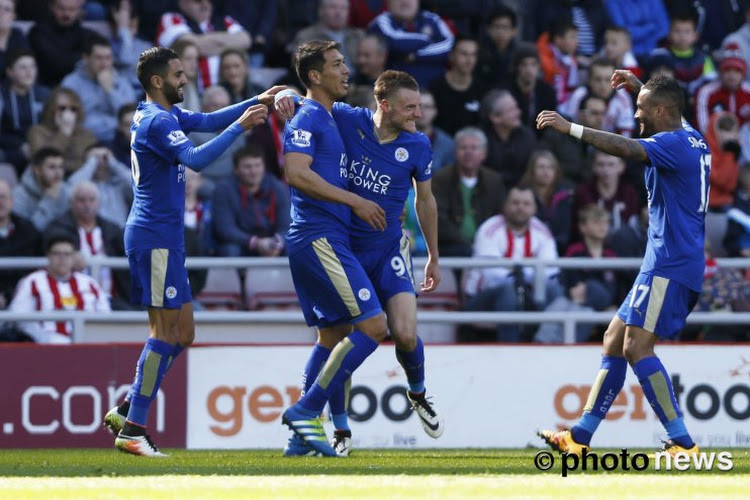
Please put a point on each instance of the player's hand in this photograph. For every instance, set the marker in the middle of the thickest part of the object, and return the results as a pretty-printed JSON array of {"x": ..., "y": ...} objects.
[
  {"x": 370, "y": 212},
  {"x": 268, "y": 96},
  {"x": 431, "y": 276},
  {"x": 286, "y": 102},
  {"x": 624, "y": 78},
  {"x": 253, "y": 116},
  {"x": 552, "y": 119}
]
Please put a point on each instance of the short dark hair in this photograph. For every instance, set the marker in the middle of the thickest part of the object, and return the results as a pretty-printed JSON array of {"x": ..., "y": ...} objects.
[
  {"x": 94, "y": 40},
  {"x": 43, "y": 153},
  {"x": 601, "y": 62},
  {"x": 503, "y": 11},
  {"x": 560, "y": 26},
  {"x": 58, "y": 236},
  {"x": 249, "y": 151},
  {"x": 666, "y": 91},
  {"x": 390, "y": 81},
  {"x": 231, "y": 50},
  {"x": 463, "y": 37},
  {"x": 154, "y": 61},
  {"x": 688, "y": 14},
  {"x": 525, "y": 50},
  {"x": 311, "y": 56},
  {"x": 125, "y": 109},
  {"x": 588, "y": 98},
  {"x": 16, "y": 54}
]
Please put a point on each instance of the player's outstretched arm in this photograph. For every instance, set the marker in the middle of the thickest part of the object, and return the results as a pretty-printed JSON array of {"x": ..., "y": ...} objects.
[
  {"x": 222, "y": 118},
  {"x": 426, "y": 208},
  {"x": 614, "y": 144},
  {"x": 198, "y": 158},
  {"x": 300, "y": 176}
]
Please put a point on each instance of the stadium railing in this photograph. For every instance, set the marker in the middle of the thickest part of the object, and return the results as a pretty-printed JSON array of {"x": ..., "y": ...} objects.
[{"x": 569, "y": 320}]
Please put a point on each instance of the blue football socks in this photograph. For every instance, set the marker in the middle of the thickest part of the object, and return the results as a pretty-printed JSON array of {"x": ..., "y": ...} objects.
[
  {"x": 345, "y": 358},
  {"x": 413, "y": 364},
  {"x": 607, "y": 386},
  {"x": 657, "y": 386},
  {"x": 152, "y": 365},
  {"x": 317, "y": 359}
]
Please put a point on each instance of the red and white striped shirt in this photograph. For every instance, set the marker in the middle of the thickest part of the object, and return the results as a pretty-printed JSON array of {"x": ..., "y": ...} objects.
[
  {"x": 92, "y": 243},
  {"x": 713, "y": 97},
  {"x": 494, "y": 239},
  {"x": 173, "y": 25},
  {"x": 41, "y": 291}
]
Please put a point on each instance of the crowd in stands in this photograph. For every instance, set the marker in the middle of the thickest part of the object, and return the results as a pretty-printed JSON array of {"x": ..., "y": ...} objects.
[{"x": 486, "y": 69}]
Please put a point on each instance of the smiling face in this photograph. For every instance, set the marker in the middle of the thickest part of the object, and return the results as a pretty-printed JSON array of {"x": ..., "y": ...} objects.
[
  {"x": 403, "y": 110},
  {"x": 334, "y": 79},
  {"x": 174, "y": 82},
  {"x": 645, "y": 114}
]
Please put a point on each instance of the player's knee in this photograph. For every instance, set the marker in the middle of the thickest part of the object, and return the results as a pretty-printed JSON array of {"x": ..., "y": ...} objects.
[
  {"x": 187, "y": 337},
  {"x": 376, "y": 328},
  {"x": 404, "y": 336},
  {"x": 633, "y": 352}
]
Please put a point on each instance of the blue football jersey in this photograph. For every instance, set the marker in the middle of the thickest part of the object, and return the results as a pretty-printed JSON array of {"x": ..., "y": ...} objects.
[
  {"x": 157, "y": 137},
  {"x": 380, "y": 171},
  {"x": 313, "y": 132},
  {"x": 677, "y": 180}
]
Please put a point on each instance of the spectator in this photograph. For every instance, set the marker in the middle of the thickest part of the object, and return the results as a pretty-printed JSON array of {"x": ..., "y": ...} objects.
[
  {"x": 530, "y": 92},
  {"x": 251, "y": 209},
  {"x": 18, "y": 238},
  {"x": 737, "y": 239},
  {"x": 607, "y": 189},
  {"x": 11, "y": 39},
  {"x": 443, "y": 147},
  {"x": 187, "y": 51},
  {"x": 728, "y": 93},
  {"x": 269, "y": 137},
  {"x": 587, "y": 289},
  {"x": 467, "y": 194},
  {"x": 418, "y": 40},
  {"x": 258, "y": 17},
  {"x": 514, "y": 235},
  {"x": 619, "y": 115},
  {"x": 646, "y": 21},
  {"x": 105, "y": 90},
  {"x": 716, "y": 18},
  {"x": 112, "y": 180},
  {"x": 458, "y": 94},
  {"x": 121, "y": 143},
  {"x": 194, "y": 22},
  {"x": 57, "y": 288},
  {"x": 618, "y": 48},
  {"x": 574, "y": 156},
  {"x": 693, "y": 67},
  {"x": 149, "y": 15},
  {"x": 41, "y": 195},
  {"x": 362, "y": 12},
  {"x": 498, "y": 49},
  {"x": 509, "y": 142},
  {"x": 58, "y": 41},
  {"x": 62, "y": 129},
  {"x": 214, "y": 99},
  {"x": 723, "y": 141},
  {"x": 234, "y": 76},
  {"x": 126, "y": 45},
  {"x": 21, "y": 102},
  {"x": 554, "y": 197},
  {"x": 333, "y": 18},
  {"x": 557, "y": 50},
  {"x": 630, "y": 241},
  {"x": 372, "y": 54},
  {"x": 741, "y": 39},
  {"x": 95, "y": 236}
]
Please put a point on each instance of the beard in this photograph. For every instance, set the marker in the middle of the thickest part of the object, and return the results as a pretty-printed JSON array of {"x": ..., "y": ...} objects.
[
  {"x": 172, "y": 93},
  {"x": 646, "y": 129}
]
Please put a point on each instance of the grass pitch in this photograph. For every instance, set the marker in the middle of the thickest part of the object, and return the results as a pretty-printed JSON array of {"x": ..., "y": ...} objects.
[{"x": 376, "y": 474}]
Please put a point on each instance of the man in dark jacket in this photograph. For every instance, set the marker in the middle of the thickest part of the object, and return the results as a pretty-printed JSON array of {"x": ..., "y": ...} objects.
[
  {"x": 250, "y": 209},
  {"x": 467, "y": 194}
]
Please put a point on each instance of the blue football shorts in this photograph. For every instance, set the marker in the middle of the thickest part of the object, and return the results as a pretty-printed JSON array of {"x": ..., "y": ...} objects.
[
  {"x": 658, "y": 305},
  {"x": 389, "y": 268},
  {"x": 158, "y": 278},
  {"x": 331, "y": 285}
]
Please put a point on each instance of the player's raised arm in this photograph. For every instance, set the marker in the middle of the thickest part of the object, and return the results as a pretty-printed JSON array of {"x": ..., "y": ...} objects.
[
  {"x": 426, "y": 208},
  {"x": 300, "y": 176},
  {"x": 608, "y": 142}
]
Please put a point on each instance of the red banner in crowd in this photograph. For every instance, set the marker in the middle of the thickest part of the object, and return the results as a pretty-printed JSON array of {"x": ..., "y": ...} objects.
[{"x": 56, "y": 396}]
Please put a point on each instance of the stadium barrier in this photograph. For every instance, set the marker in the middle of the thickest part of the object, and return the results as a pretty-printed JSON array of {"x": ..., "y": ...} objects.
[
  {"x": 288, "y": 325},
  {"x": 491, "y": 396}
]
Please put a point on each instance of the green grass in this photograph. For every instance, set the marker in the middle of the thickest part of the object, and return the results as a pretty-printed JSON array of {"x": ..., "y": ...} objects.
[{"x": 84, "y": 474}]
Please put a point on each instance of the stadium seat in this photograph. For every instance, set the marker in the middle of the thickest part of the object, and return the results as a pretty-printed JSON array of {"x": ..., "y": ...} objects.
[
  {"x": 222, "y": 289},
  {"x": 716, "y": 228},
  {"x": 269, "y": 288},
  {"x": 8, "y": 174}
]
